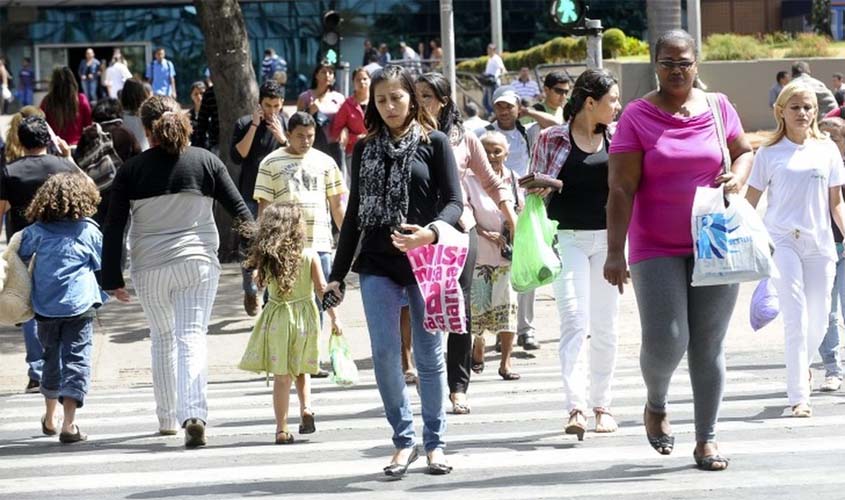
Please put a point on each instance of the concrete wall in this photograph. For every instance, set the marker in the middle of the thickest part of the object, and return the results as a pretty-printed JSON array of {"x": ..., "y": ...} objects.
[{"x": 746, "y": 83}]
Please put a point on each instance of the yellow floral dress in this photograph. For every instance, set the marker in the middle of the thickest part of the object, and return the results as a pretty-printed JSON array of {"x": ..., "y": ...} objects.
[{"x": 284, "y": 340}]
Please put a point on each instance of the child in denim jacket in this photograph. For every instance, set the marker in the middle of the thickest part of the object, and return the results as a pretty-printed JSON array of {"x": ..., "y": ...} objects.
[{"x": 66, "y": 245}]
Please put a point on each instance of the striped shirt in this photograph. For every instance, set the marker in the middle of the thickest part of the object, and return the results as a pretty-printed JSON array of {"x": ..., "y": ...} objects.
[{"x": 309, "y": 180}]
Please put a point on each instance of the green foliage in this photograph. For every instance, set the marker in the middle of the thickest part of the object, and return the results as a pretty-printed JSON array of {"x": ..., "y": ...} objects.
[
  {"x": 820, "y": 17},
  {"x": 555, "y": 50},
  {"x": 613, "y": 41},
  {"x": 729, "y": 47},
  {"x": 810, "y": 45},
  {"x": 777, "y": 39},
  {"x": 634, "y": 47}
]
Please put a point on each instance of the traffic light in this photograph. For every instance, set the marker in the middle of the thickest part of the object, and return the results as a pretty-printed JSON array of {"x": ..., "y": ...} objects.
[
  {"x": 568, "y": 13},
  {"x": 330, "y": 41}
]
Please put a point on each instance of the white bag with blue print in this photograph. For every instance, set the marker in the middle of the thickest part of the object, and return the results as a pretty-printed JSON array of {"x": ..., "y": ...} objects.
[{"x": 730, "y": 243}]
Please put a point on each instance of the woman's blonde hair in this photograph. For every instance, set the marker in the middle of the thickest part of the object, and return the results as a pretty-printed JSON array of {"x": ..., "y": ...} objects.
[
  {"x": 14, "y": 149},
  {"x": 278, "y": 238},
  {"x": 65, "y": 196},
  {"x": 788, "y": 92}
]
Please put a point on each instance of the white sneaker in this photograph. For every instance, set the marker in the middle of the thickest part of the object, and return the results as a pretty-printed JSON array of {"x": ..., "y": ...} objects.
[{"x": 831, "y": 384}]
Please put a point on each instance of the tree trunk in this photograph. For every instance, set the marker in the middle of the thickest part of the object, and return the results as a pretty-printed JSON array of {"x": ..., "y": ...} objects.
[
  {"x": 663, "y": 15},
  {"x": 228, "y": 55}
]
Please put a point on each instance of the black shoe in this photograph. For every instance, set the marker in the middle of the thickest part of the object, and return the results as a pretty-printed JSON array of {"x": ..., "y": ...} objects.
[
  {"x": 498, "y": 345},
  {"x": 251, "y": 304},
  {"x": 194, "y": 433},
  {"x": 528, "y": 342},
  {"x": 320, "y": 374},
  {"x": 399, "y": 470},
  {"x": 32, "y": 387}
]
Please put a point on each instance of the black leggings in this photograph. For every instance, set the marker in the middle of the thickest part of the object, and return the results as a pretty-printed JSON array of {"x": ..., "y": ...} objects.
[{"x": 459, "y": 345}]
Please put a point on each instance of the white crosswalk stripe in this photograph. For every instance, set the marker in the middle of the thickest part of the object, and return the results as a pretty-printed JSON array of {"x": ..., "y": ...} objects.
[{"x": 511, "y": 442}]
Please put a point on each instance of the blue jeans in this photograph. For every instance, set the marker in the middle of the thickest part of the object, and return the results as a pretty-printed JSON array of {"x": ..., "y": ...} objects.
[
  {"x": 67, "y": 357},
  {"x": 89, "y": 87},
  {"x": 382, "y": 303},
  {"x": 34, "y": 350},
  {"x": 487, "y": 98},
  {"x": 829, "y": 348},
  {"x": 25, "y": 96},
  {"x": 249, "y": 286}
]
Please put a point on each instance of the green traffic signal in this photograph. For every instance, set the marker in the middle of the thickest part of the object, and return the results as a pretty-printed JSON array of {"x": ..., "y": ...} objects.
[{"x": 567, "y": 12}]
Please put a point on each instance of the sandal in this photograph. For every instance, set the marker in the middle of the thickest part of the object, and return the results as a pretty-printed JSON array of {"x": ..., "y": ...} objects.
[
  {"x": 709, "y": 462},
  {"x": 73, "y": 437},
  {"x": 509, "y": 375},
  {"x": 306, "y": 423},
  {"x": 605, "y": 422},
  {"x": 46, "y": 430},
  {"x": 576, "y": 425},
  {"x": 663, "y": 444},
  {"x": 802, "y": 410},
  {"x": 478, "y": 366},
  {"x": 459, "y": 408},
  {"x": 284, "y": 437}
]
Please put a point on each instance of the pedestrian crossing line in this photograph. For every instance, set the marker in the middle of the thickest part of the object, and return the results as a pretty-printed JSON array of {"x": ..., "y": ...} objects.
[
  {"x": 489, "y": 395},
  {"x": 676, "y": 411},
  {"x": 504, "y": 461},
  {"x": 314, "y": 445},
  {"x": 479, "y": 386},
  {"x": 235, "y": 408}
]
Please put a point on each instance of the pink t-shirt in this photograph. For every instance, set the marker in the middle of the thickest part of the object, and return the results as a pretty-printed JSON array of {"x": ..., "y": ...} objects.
[{"x": 679, "y": 154}]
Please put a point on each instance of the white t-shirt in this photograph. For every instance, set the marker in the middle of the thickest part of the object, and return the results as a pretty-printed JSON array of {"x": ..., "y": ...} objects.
[
  {"x": 495, "y": 66},
  {"x": 518, "y": 155},
  {"x": 798, "y": 179},
  {"x": 116, "y": 76}
]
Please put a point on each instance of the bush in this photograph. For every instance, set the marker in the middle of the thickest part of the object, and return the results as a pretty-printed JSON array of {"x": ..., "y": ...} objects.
[
  {"x": 555, "y": 50},
  {"x": 777, "y": 39},
  {"x": 634, "y": 47},
  {"x": 613, "y": 41},
  {"x": 728, "y": 47},
  {"x": 810, "y": 45}
]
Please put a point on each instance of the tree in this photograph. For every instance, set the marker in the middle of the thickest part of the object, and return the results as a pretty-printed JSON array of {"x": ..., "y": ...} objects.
[
  {"x": 663, "y": 15},
  {"x": 235, "y": 87},
  {"x": 820, "y": 17}
]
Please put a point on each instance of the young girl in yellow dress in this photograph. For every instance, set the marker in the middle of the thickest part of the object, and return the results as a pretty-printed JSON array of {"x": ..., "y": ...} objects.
[{"x": 284, "y": 340}]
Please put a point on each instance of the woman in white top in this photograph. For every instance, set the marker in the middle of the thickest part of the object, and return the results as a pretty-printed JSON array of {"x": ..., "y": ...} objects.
[{"x": 802, "y": 170}]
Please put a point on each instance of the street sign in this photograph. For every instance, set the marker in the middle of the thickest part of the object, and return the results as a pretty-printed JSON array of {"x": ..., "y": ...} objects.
[{"x": 567, "y": 13}]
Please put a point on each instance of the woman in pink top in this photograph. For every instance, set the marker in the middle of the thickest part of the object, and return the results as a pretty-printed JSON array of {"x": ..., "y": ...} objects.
[
  {"x": 435, "y": 94},
  {"x": 350, "y": 116},
  {"x": 67, "y": 110},
  {"x": 664, "y": 148},
  {"x": 322, "y": 102}
]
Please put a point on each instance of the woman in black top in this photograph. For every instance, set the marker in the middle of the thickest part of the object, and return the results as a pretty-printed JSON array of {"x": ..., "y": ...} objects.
[
  {"x": 403, "y": 178},
  {"x": 576, "y": 152},
  {"x": 170, "y": 190}
]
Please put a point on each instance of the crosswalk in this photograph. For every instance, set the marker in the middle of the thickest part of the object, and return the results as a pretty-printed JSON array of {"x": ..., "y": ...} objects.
[{"x": 510, "y": 446}]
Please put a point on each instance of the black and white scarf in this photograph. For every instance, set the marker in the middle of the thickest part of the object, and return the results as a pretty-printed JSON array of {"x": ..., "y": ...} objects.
[{"x": 384, "y": 178}]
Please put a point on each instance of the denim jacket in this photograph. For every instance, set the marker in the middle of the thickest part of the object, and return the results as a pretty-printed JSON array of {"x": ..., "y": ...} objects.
[{"x": 67, "y": 253}]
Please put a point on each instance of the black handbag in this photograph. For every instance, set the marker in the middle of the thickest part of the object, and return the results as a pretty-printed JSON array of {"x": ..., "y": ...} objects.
[{"x": 507, "y": 249}]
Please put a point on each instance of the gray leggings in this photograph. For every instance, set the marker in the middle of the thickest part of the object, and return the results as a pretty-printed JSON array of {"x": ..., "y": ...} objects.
[{"x": 676, "y": 318}]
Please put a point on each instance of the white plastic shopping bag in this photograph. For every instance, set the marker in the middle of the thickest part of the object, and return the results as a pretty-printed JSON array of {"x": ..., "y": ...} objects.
[
  {"x": 731, "y": 244},
  {"x": 437, "y": 268}
]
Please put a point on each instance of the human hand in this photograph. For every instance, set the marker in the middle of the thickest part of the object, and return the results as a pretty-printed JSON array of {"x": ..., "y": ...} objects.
[
  {"x": 542, "y": 192},
  {"x": 616, "y": 270},
  {"x": 120, "y": 294},
  {"x": 256, "y": 116},
  {"x": 64, "y": 147},
  {"x": 411, "y": 237},
  {"x": 731, "y": 182},
  {"x": 332, "y": 295},
  {"x": 274, "y": 125}
]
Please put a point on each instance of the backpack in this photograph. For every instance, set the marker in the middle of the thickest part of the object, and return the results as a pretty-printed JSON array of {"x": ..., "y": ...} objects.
[{"x": 101, "y": 160}]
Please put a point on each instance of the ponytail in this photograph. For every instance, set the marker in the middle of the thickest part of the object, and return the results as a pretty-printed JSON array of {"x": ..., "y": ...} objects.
[{"x": 169, "y": 127}]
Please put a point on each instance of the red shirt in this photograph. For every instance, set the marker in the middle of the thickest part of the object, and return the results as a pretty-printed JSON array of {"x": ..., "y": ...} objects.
[
  {"x": 349, "y": 116},
  {"x": 73, "y": 130}
]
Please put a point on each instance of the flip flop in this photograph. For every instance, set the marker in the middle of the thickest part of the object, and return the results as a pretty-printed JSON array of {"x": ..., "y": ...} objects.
[
  {"x": 509, "y": 375},
  {"x": 708, "y": 463},
  {"x": 306, "y": 425}
]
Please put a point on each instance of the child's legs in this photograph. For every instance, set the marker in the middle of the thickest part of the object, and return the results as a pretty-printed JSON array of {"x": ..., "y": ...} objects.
[
  {"x": 197, "y": 286},
  {"x": 281, "y": 400},
  {"x": 34, "y": 349},
  {"x": 303, "y": 391},
  {"x": 154, "y": 289},
  {"x": 77, "y": 337},
  {"x": 49, "y": 335}
]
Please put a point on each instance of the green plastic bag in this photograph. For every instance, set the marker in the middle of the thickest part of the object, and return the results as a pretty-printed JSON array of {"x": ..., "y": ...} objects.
[
  {"x": 344, "y": 371},
  {"x": 535, "y": 259}
]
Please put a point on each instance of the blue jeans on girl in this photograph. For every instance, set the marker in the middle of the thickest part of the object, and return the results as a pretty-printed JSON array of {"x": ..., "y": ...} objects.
[{"x": 67, "y": 356}]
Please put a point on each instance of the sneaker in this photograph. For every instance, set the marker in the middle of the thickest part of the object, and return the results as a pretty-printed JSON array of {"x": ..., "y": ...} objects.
[
  {"x": 251, "y": 304},
  {"x": 831, "y": 384},
  {"x": 32, "y": 387},
  {"x": 194, "y": 433}
]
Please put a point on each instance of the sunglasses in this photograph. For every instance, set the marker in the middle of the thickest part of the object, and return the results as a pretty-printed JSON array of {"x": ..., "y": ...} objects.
[
  {"x": 670, "y": 65},
  {"x": 560, "y": 91}
]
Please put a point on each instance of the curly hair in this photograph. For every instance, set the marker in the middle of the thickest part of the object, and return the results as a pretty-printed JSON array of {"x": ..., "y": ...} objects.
[
  {"x": 169, "y": 127},
  {"x": 278, "y": 238},
  {"x": 65, "y": 196}
]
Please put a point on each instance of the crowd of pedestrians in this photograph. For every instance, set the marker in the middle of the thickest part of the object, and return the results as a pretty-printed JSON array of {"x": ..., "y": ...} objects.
[{"x": 354, "y": 183}]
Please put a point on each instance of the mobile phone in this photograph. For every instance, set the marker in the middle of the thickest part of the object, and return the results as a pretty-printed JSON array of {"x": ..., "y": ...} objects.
[{"x": 331, "y": 299}]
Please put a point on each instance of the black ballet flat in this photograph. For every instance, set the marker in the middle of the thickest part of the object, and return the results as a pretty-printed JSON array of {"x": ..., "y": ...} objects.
[{"x": 399, "y": 470}]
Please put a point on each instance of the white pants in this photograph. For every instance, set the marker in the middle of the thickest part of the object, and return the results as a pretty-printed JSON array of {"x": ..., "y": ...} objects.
[
  {"x": 806, "y": 278},
  {"x": 587, "y": 305},
  {"x": 177, "y": 301}
]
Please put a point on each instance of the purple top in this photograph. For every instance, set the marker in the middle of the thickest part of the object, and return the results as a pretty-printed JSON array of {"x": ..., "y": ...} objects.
[{"x": 679, "y": 154}]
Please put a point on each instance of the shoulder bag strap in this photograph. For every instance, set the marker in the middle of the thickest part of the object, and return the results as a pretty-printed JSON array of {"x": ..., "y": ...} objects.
[{"x": 715, "y": 109}]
